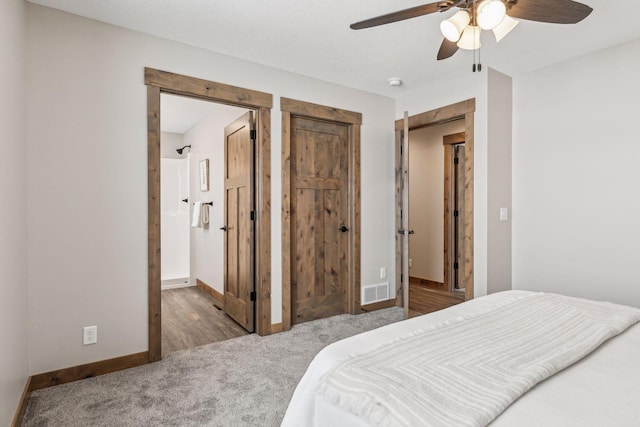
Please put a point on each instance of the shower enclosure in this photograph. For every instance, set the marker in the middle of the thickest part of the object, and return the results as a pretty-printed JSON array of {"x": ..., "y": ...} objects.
[{"x": 174, "y": 176}]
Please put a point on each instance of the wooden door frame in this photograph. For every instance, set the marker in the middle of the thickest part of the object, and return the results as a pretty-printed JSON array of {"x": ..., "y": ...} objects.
[
  {"x": 449, "y": 142},
  {"x": 295, "y": 108},
  {"x": 158, "y": 82},
  {"x": 461, "y": 110}
]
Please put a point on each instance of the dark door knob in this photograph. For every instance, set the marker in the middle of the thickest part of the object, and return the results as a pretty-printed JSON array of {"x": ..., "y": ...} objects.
[
  {"x": 223, "y": 228},
  {"x": 344, "y": 229}
]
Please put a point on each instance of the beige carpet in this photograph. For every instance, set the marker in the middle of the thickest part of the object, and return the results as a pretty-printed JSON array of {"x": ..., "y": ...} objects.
[{"x": 246, "y": 381}]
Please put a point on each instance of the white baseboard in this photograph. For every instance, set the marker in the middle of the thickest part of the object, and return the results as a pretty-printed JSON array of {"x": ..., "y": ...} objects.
[{"x": 176, "y": 286}]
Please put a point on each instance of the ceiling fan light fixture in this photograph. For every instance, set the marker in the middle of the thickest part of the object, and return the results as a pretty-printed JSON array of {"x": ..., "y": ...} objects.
[
  {"x": 490, "y": 14},
  {"x": 507, "y": 24},
  {"x": 470, "y": 39},
  {"x": 453, "y": 27}
]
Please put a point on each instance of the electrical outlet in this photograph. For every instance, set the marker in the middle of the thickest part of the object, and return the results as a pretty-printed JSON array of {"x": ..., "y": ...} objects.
[
  {"x": 410, "y": 263},
  {"x": 383, "y": 272},
  {"x": 90, "y": 335}
]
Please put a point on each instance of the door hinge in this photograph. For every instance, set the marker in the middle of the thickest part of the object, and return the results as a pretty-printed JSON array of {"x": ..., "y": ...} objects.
[
  {"x": 401, "y": 213},
  {"x": 401, "y": 278},
  {"x": 456, "y": 213},
  {"x": 252, "y": 295},
  {"x": 253, "y": 134},
  {"x": 401, "y": 149},
  {"x": 455, "y": 265},
  {"x": 253, "y": 215},
  {"x": 456, "y": 161}
]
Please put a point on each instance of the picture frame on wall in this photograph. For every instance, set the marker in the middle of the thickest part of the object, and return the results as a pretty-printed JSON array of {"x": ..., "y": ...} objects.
[{"x": 204, "y": 175}]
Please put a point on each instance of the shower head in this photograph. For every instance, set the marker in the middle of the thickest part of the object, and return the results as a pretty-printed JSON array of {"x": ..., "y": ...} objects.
[{"x": 180, "y": 150}]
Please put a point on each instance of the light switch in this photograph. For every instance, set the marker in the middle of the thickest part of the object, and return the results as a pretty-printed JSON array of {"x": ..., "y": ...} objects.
[{"x": 504, "y": 214}]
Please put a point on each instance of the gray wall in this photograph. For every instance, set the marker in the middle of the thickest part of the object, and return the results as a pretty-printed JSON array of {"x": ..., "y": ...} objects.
[
  {"x": 89, "y": 169},
  {"x": 13, "y": 208},
  {"x": 499, "y": 111},
  {"x": 576, "y": 177}
]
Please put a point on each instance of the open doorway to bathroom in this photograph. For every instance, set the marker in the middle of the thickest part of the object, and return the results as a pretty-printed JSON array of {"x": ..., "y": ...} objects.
[
  {"x": 256, "y": 303},
  {"x": 194, "y": 222}
]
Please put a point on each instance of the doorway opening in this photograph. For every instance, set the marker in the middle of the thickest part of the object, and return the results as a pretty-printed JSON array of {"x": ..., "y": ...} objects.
[
  {"x": 193, "y": 220},
  {"x": 255, "y": 288},
  {"x": 434, "y": 209},
  {"x": 436, "y": 200}
]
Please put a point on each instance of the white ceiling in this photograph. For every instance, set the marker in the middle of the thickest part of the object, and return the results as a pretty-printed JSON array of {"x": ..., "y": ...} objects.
[
  {"x": 313, "y": 37},
  {"x": 179, "y": 114}
]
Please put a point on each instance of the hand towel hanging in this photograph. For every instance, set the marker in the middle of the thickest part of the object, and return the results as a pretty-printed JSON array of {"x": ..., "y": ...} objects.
[
  {"x": 197, "y": 210},
  {"x": 204, "y": 214}
]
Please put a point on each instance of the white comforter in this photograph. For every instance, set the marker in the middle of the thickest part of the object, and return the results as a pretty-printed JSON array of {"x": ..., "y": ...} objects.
[{"x": 601, "y": 390}]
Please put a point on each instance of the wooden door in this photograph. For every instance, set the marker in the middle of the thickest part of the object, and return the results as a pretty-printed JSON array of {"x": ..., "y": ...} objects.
[
  {"x": 239, "y": 283},
  {"x": 404, "y": 231},
  {"x": 319, "y": 226},
  {"x": 459, "y": 179}
]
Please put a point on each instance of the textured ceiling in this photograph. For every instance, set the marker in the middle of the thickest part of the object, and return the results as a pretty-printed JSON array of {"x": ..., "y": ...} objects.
[{"x": 313, "y": 37}]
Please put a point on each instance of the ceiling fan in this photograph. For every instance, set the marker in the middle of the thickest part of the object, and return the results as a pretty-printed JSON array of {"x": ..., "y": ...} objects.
[{"x": 462, "y": 30}]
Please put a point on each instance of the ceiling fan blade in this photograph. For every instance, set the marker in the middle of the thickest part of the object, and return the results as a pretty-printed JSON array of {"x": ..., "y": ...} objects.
[
  {"x": 447, "y": 49},
  {"x": 553, "y": 11},
  {"x": 401, "y": 15}
]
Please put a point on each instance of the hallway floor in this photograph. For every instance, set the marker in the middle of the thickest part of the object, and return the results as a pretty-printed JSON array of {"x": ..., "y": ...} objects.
[
  {"x": 424, "y": 299},
  {"x": 191, "y": 317}
]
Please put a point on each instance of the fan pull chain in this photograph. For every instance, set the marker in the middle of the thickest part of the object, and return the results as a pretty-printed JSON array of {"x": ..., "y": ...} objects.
[{"x": 474, "y": 58}]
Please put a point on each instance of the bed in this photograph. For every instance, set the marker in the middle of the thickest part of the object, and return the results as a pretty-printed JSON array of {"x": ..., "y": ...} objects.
[{"x": 601, "y": 388}]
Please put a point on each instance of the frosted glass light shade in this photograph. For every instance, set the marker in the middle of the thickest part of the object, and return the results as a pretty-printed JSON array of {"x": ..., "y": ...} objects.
[
  {"x": 507, "y": 24},
  {"x": 490, "y": 14},
  {"x": 470, "y": 39},
  {"x": 453, "y": 27}
]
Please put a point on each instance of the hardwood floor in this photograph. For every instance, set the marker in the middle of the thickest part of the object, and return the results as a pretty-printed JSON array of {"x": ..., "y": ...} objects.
[
  {"x": 190, "y": 318},
  {"x": 425, "y": 299}
]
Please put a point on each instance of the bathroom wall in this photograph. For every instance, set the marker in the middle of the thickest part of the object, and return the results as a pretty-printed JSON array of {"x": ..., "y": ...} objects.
[
  {"x": 207, "y": 242},
  {"x": 169, "y": 142}
]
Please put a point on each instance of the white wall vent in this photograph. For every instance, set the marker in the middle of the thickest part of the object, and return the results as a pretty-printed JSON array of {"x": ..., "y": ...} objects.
[{"x": 375, "y": 293}]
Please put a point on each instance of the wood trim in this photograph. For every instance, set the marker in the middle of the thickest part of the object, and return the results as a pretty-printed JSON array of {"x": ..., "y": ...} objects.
[
  {"x": 354, "y": 196},
  {"x": 440, "y": 115},
  {"x": 286, "y": 220},
  {"x": 398, "y": 158},
  {"x": 292, "y": 107},
  {"x": 316, "y": 111},
  {"x": 461, "y": 110},
  {"x": 378, "y": 305},
  {"x": 22, "y": 404},
  {"x": 453, "y": 139},
  {"x": 263, "y": 221},
  {"x": 448, "y": 220},
  {"x": 154, "y": 233},
  {"x": 94, "y": 369},
  {"x": 208, "y": 289},
  {"x": 468, "y": 205},
  {"x": 211, "y": 91},
  {"x": 164, "y": 82},
  {"x": 276, "y": 328}
]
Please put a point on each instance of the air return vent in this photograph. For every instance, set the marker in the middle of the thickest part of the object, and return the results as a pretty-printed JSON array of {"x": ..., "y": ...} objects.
[{"x": 375, "y": 293}]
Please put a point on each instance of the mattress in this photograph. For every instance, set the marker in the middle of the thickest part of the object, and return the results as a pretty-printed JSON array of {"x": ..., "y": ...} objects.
[{"x": 602, "y": 389}]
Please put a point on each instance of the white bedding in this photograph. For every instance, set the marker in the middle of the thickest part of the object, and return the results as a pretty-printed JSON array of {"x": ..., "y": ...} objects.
[{"x": 603, "y": 389}]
